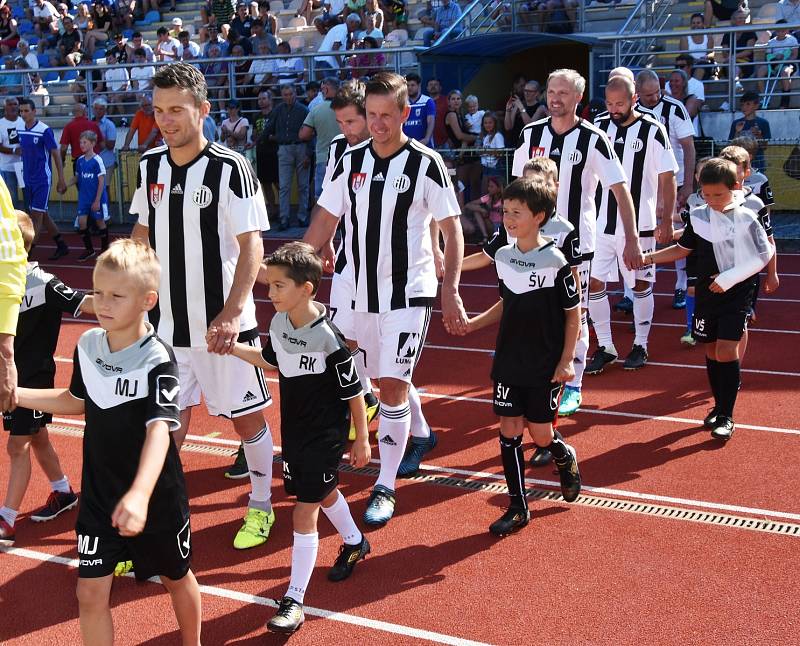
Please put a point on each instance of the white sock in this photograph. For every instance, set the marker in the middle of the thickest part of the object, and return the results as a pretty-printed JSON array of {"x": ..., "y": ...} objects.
[
  {"x": 581, "y": 350},
  {"x": 361, "y": 370},
  {"x": 628, "y": 293},
  {"x": 680, "y": 274},
  {"x": 258, "y": 451},
  {"x": 600, "y": 311},
  {"x": 393, "y": 431},
  {"x": 62, "y": 486},
  {"x": 419, "y": 427},
  {"x": 341, "y": 518},
  {"x": 304, "y": 556},
  {"x": 643, "y": 306},
  {"x": 9, "y": 515}
]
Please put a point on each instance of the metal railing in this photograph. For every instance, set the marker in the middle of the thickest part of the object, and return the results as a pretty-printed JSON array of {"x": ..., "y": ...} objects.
[
  {"x": 646, "y": 16},
  {"x": 729, "y": 76}
]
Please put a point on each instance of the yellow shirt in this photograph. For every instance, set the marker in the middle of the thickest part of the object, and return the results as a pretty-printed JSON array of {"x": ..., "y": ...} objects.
[{"x": 13, "y": 260}]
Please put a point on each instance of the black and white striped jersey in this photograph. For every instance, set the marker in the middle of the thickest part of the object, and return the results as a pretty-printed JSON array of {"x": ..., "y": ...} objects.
[
  {"x": 339, "y": 147},
  {"x": 389, "y": 203},
  {"x": 759, "y": 184},
  {"x": 194, "y": 214},
  {"x": 674, "y": 116},
  {"x": 644, "y": 150},
  {"x": 584, "y": 158}
]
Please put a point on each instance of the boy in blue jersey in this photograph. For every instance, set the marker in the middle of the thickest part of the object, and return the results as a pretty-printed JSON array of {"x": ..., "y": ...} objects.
[
  {"x": 38, "y": 145},
  {"x": 92, "y": 195},
  {"x": 422, "y": 118}
]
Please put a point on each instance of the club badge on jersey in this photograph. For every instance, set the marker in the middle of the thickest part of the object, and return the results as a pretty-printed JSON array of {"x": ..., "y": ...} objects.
[
  {"x": 357, "y": 181},
  {"x": 156, "y": 193}
]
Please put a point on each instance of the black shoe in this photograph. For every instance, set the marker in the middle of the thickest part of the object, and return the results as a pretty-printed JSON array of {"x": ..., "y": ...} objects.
[
  {"x": 636, "y": 359},
  {"x": 288, "y": 618},
  {"x": 679, "y": 300},
  {"x": 515, "y": 518},
  {"x": 570, "y": 475},
  {"x": 283, "y": 225},
  {"x": 349, "y": 555},
  {"x": 239, "y": 468},
  {"x": 302, "y": 223},
  {"x": 723, "y": 428},
  {"x": 61, "y": 250},
  {"x": 600, "y": 359},
  {"x": 710, "y": 419},
  {"x": 87, "y": 255},
  {"x": 541, "y": 457},
  {"x": 624, "y": 305}
]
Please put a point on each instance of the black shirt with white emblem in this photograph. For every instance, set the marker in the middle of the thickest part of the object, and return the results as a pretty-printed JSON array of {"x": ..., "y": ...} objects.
[
  {"x": 537, "y": 287},
  {"x": 124, "y": 392},
  {"x": 317, "y": 376},
  {"x": 46, "y": 299}
]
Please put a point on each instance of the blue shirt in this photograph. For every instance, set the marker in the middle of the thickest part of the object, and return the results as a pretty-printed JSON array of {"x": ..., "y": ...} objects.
[
  {"x": 758, "y": 160},
  {"x": 417, "y": 124},
  {"x": 88, "y": 174},
  {"x": 109, "y": 131},
  {"x": 36, "y": 143}
]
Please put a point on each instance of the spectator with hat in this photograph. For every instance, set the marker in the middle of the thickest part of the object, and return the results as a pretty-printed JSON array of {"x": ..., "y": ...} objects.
[
  {"x": 236, "y": 128},
  {"x": 118, "y": 50},
  {"x": 177, "y": 27}
]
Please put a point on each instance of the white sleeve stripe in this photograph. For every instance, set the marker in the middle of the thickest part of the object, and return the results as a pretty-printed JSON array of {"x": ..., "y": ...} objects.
[
  {"x": 245, "y": 176},
  {"x": 435, "y": 158}
]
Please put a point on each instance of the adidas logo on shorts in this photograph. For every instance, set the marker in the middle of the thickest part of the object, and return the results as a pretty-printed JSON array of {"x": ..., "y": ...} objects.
[
  {"x": 249, "y": 397},
  {"x": 388, "y": 441}
]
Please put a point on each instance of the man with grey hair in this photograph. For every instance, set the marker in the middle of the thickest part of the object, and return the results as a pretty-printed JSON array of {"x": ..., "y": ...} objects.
[
  {"x": 321, "y": 127},
  {"x": 25, "y": 52},
  {"x": 584, "y": 158},
  {"x": 294, "y": 155},
  {"x": 109, "y": 130}
]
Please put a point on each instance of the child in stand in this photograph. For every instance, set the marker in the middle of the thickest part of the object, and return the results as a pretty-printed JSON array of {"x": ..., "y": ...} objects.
[
  {"x": 487, "y": 211},
  {"x": 90, "y": 176},
  {"x": 731, "y": 247},
  {"x": 490, "y": 137},
  {"x": 320, "y": 391},
  {"x": 46, "y": 298},
  {"x": 133, "y": 500},
  {"x": 539, "y": 316}
]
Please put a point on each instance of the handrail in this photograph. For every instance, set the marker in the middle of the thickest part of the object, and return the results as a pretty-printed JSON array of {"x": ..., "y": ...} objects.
[
  {"x": 634, "y": 14},
  {"x": 700, "y": 32},
  {"x": 465, "y": 14}
]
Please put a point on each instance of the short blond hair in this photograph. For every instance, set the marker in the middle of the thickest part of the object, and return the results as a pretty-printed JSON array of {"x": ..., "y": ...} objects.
[
  {"x": 572, "y": 77},
  {"x": 25, "y": 225},
  {"x": 134, "y": 259},
  {"x": 737, "y": 155},
  {"x": 541, "y": 166}
]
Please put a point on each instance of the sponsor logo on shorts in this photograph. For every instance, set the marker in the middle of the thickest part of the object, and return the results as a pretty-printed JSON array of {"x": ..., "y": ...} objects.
[
  {"x": 328, "y": 477},
  {"x": 248, "y": 397},
  {"x": 91, "y": 562},
  {"x": 184, "y": 540},
  {"x": 554, "y": 395},
  {"x": 407, "y": 345}
]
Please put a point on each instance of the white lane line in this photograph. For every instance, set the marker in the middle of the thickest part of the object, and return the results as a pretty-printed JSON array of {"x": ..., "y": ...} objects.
[
  {"x": 607, "y": 491},
  {"x": 243, "y": 597}
]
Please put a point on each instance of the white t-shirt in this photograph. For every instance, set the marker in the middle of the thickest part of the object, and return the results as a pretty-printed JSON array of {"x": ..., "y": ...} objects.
[
  {"x": 337, "y": 6},
  {"x": 337, "y": 34},
  {"x": 143, "y": 76},
  {"x": 9, "y": 138},
  {"x": 194, "y": 48},
  {"x": 32, "y": 61},
  {"x": 168, "y": 50},
  {"x": 116, "y": 78},
  {"x": 782, "y": 48},
  {"x": 474, "y": 122},
  {"x": 489, "y": 141},
  {"x": 695, "y": 87},
  {"x": 46, "y": 10},
  {"x": 261, "y": 68}
]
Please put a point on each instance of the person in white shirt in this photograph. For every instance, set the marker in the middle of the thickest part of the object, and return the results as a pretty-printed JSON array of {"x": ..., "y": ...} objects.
[
  {"x": 333, "y": 40},
  {"x": 370, "y": 29},
  {"x": 695, "y": 87},
  {"x": 167, "y": 47},
  {"x": 261, "y": 69},
  {"x": 44, "y": 15},
  {"x": 789, "y": 10},
  {"x": 289, "y": 69},
  {"x": 25, "y": 51},
  {"x": 117, "y": 85},
  {"x": 186, "y": 44},
  {"x": 783, "y": 46},
  {"x": 141, "y": 76},
  {"x": 10, "y": 152},
  {"x": 137, "y": 42}
]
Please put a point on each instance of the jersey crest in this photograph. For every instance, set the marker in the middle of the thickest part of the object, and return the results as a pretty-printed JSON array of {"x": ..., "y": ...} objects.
[
  {"x": 156, "y": 193},
  {"x": 357, "y": 181}
]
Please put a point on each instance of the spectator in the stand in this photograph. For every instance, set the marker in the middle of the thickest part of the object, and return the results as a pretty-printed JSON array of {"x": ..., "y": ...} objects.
[
  {"x": 10, "y": 84},
  {"x": 356, "y": 7},
  {"x": 395, "y": 12},
  {"x": 222, "y": 11},
  {"x": 366, "y": 64},
  {"x": 101, "y": 27},
  {"x": 117, "y": 83},
  {"x": 176, "y": 28},
  {"x": 372, "y": 8},
  {"x": 320, "y": 125},
  {"x": 85, "y": 79},
  {"x": 422, "y": 118},
  {"x": 289, "y": 69},
  {"x": 69, "y": 44},
  {"x": 71, "y": 135},
  {"x": 518, "y": 86},
  {"x": 83, "y": 16},
  {"x": 678, "y": 88},
  {"x": 789, "y": 10},
  {"x": 700, "y": 48},
  {"x": 137, "y": 42},
  {"x": 473, "y": 116},
  {"x": 434, "y": 88},
  {"x": 353, "y": 24},
  {"x": 241, "y": 69},
  {"x": 745, "y": 41},
  {"x": 313, "y": 97},
  {"x": 307, "y": 8},
  {"x": 235, "y": 129},
  {"x": 260, "y": 71},
  {"x": 750, "y": 124},
  {"x": 267, "y": 18},
  {"x": 26, "y": 53},
  {"x": 144, "y": 127},
  {"x": 520, "y": 113},
  {"x": 266, "y": 152},
  {"x": 333, "y": 11},
  {"x": 9, "y": 34},
  {"x": 216, "y": 73},
  {"x": 44, "y": 15},
  {"x": 118, "y": 50},
  {"x": 782, "y": 47},
  {"x": 235, "y": 40},
  {"x": 215, "y": 38},
  {"x": 492, "y": 163},
  {"x": 459, "y": 139},
  {"x": 427, "y": 16},
  {"x": 685, "y": 63},
  {"x": 167, "y": 47},
  {"x": 123, "y": 14},
  {"x": 369, "y": 29},
  {"x": 242, "y": 22},
  {"x": 721, "y": 10},
  {"x": 261, "y": 35},
  {"x": 445, "y": 15},
  {"x": 187, "y": 45},
  {"x": 142, "y": 75},
  {"x": 294, "y": 156},
  {"x": 333, "y": 40},
  {"x": 109, "y": 130}
]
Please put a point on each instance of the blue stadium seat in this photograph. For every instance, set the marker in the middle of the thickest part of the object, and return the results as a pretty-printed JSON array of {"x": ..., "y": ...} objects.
[
  {"x": 70, "y": 75},
  {"x": 32, "y": 41},
  {"x": 44, "y": 59},
  {"x": 99, "y": 54},
  {"x": 50, "y": 77},
  {"x": 17, "y": 12},
  {"x": 128, "y": 33},
  {"x": 25, "y": 27}
]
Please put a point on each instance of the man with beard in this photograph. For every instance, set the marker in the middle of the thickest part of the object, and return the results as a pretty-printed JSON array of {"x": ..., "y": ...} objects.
[{"x": 642, "y": 145}]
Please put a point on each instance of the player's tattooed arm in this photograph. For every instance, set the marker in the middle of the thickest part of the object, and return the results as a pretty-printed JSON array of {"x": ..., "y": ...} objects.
[{"x": 58, "y": 401}]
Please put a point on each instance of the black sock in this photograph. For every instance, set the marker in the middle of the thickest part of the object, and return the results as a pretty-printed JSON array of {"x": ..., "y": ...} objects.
[
  {"x": 370, "y": 399},
  {"x": 728, "y": 379},
  {"x": 712, "y": 368},
  {"x": 558, "y": 447},
  {"x": 87, "y": 239},
  {"x": 514, "y": 470},
  {"x": 58, "y": 239},
  {"x": 104, "y": 239}
]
